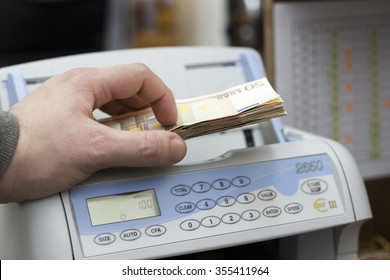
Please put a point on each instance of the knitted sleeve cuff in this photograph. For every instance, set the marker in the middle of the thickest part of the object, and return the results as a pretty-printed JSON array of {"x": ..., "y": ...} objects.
[{"x": 9, "y": 135}]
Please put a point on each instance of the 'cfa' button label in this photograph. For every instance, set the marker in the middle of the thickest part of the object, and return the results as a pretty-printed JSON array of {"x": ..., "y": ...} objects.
[{"x": 155, "y": 230}]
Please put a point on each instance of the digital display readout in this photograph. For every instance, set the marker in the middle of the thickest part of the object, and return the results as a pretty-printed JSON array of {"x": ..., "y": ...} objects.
[{"x": 123, "y": 207}]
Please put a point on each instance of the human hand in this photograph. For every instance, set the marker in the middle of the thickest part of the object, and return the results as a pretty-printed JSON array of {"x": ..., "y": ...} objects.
[{"x": 60, "y": 144}]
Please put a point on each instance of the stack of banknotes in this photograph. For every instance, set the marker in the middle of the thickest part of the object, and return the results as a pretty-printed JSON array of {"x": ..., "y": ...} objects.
[{"x": 245, "y": 104}]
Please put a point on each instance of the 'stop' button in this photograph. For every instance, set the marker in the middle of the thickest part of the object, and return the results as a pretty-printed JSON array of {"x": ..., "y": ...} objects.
[{"x": 314, "y": 186}]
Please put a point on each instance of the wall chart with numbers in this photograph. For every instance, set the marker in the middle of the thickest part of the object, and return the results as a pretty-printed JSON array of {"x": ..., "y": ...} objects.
[{"x": 332, "y": 68}]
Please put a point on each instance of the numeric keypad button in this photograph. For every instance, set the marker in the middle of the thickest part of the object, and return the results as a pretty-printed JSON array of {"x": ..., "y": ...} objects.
[
  {"x": 231, "y": 218},
  {"x": 246, "y": 198},
  {"x": 226, "y": 201},
  {"x": 221, "y": 184},
  {"x": 205, "y": 204},
  {"x": 250, "y": 215},
  {"x": 210, "y": 221},
  {"x": 201, "y": 187},
  {"x": 189, "y": 225},
  {"x": 241, "y": 181}
]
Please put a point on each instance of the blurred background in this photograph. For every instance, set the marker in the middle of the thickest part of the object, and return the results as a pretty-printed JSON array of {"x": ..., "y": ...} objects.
[{"x": 38, "y": 29}]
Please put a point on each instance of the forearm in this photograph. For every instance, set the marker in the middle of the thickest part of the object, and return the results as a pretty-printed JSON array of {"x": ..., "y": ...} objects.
[{"x": 9, "y": 135}]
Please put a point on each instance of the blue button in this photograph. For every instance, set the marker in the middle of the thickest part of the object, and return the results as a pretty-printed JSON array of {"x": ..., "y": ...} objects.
[
  {"x": 221, "y": 184},
  {"x": 185, "y": 207},
  {"x": 180, "y": 190},
  {"x": 201, "y": 187},
  {"x": 205, "y": 204},
  {"x": 241, "y": 181},
  {"x": 226, "y": 201}
]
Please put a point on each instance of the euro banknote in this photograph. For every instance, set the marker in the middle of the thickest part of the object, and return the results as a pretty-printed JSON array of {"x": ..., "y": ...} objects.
[{"x": 244, "y": 104}]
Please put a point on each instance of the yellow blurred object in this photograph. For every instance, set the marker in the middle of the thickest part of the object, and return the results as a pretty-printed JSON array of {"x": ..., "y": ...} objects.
[
  {"x": 377, "y": 248},
  {"x": 154, "y": 24}
]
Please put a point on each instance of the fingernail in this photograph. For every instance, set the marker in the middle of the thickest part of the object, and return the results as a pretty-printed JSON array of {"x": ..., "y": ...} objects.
[{"x": 178, "y": 149}]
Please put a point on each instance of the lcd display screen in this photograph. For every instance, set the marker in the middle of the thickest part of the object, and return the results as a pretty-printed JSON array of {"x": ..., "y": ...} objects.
[{"x": 123, "y": 207}]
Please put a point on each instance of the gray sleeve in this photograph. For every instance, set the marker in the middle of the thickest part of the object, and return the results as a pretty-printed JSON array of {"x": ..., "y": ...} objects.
[{"x": 9, "y": 135}]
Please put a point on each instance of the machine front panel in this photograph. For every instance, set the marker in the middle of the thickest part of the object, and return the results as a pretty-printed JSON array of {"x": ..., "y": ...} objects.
[{"x": 168, "y": 209}]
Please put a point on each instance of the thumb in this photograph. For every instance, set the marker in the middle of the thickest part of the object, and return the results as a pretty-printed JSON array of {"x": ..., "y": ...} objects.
[{"x": 143, "y": 148}]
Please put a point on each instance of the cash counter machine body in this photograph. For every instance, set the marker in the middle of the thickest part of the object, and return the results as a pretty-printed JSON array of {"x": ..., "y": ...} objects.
[{"x": 244, "y": 187}]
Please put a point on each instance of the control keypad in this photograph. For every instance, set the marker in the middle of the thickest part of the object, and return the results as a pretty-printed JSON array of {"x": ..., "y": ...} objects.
[{"x": 262, "y": 203}]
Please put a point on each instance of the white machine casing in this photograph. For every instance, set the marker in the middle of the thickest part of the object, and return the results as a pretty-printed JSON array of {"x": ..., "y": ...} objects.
[{"x": 322, "y": 225}]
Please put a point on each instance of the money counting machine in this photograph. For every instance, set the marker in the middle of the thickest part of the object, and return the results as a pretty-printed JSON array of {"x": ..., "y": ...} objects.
[{"x": 260, "y": 184}]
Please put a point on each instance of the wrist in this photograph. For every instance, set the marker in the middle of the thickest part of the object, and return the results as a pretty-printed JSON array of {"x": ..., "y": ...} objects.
[{"x": 9, "y": 136}]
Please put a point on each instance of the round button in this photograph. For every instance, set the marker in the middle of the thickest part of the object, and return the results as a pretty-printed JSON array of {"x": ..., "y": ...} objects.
[
  {"x": 231, "y": 218},
  {"x": 314, "y": 186},
  {"x": 226, "y": 201},
  {"x": 205, "y": 204},
  {"x": 210, "y": 221},
  {"x": 293, "y": 208},
  {"x": 241, "y": 181},
  {"x": 155, "y": 230},
  {"x": 221, "y": 184},
  {"x": 180, "y": 190},
  {"x": 246, "y": 198},
  {"x": 130, "y": 234},
  {"x": 201, "y": 187},
  {"x": 250, "y": 215},
  {"x": 104, "y": 239},
  {"x": 185, "y": 207},
  {"x": 272, "y": 211},
  {"x": 267, "y": 195},
  {"x": 189, "y": 225}
]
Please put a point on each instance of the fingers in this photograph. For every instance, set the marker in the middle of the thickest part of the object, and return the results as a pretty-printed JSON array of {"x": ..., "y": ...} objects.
[
  {"x": 141, "y": 148},
  {"x": 134, "y": 81},
  {"x": 118, "y": 107}
]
